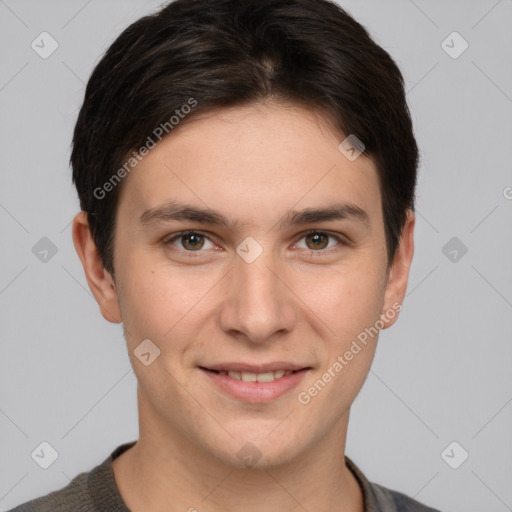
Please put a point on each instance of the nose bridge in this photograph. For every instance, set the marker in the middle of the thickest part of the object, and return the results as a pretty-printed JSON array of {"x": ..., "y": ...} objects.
[{"x": 258, "y": 304}]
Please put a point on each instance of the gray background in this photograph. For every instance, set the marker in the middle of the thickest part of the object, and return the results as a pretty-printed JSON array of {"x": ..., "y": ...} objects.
[{"x": 441, "y": 374}]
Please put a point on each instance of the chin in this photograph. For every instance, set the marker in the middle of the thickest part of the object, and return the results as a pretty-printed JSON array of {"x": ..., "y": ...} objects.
[{"x": 259, "y": 451}]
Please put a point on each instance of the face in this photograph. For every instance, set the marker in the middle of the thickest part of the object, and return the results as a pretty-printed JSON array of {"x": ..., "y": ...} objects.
[{"x": 248, "y": 245}]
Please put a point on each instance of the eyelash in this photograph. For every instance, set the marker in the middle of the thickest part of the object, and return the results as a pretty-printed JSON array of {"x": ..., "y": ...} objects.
[{"x": 168, "y": 242}]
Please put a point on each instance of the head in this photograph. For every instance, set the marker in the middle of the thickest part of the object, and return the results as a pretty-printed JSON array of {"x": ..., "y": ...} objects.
[{"x": 238, "y": 108}]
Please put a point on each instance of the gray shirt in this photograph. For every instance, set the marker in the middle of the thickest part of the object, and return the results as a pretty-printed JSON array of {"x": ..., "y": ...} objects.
[{"x": 96, "y": 491}]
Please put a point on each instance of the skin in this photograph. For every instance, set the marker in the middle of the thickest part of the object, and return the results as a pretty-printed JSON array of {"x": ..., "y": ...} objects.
[{"x": 253, "y": 164}]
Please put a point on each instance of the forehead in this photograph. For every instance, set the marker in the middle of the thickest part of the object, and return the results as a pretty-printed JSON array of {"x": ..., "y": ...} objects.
[{"x": 252, "y": 161}]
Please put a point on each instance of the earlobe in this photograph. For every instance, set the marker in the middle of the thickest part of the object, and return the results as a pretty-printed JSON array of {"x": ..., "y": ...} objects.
[
  {"x": 100, "y": 281},
  {"x": 399, "y": 273}
]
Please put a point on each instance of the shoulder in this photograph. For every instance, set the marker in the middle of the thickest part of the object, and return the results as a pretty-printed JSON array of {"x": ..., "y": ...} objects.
[
  {"x": 91, "y": 491},
  {"x": 75, "y": 496},
  {"x": 378, "y": 498},
  {"x": 396, "y": 501}
]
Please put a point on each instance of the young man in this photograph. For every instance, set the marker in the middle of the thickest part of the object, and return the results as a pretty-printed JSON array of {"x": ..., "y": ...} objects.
[{"x": 246, "y": 171}]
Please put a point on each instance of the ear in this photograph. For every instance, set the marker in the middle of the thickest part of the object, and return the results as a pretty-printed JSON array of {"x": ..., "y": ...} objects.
[
  {"x": 100, "y": 281},
  {"x": 398, "y": 273}
]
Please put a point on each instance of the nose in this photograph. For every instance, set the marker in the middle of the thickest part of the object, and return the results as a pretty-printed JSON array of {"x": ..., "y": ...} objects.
[{"x": 259, "y": 304}]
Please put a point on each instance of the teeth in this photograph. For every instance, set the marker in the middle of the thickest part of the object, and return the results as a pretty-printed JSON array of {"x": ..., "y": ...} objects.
[
  {"x": 249, "y": 377},
  {"x": 259, "y": 377},
  {"x": 265, "y": 377}
]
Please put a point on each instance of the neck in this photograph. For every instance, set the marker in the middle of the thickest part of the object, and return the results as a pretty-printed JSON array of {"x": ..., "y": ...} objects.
[{"x": 165, "y": 467}]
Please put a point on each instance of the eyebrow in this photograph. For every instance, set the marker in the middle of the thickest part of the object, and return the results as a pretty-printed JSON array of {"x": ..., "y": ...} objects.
[{"x": 172, "y": 210}]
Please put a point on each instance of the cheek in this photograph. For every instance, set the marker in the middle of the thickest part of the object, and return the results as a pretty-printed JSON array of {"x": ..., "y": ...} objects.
[
  {"x": 349, "y": 303},
  {"x": 162, "y": 302},
  {"x": 347, "y": 299},
  {"x": 161, "y": 305}
]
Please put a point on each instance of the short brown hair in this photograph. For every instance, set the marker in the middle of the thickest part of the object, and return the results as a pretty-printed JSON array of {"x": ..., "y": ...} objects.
[{"x": 232, "y": 52}]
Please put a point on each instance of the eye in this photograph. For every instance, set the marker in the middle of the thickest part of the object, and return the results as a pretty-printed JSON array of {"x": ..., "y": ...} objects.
[
  {"x": 190, "y": 241},
  {"x": 316, "y": 241},
  {"x": 194, "y": 241}
]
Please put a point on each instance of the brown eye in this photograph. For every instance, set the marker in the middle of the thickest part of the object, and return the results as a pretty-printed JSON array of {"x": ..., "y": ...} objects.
[
  {"x": 317, "y": 240},
  {"x": 320, "y": 242},
  {"x": 192, "y": 241}
]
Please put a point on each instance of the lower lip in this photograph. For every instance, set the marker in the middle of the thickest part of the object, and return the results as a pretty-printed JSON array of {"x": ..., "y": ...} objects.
[{"x": 256, "y": 392}]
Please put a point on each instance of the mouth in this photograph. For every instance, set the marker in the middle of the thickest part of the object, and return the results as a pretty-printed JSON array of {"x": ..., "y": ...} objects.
[
  {"x": 256, "y": 384},
  {"x": 254, "y": 377}
]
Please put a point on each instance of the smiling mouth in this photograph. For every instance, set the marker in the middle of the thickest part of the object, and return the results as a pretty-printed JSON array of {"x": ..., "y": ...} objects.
[
  {"x": 255, "y": 377},
  {"x": 256, "y": 383}
]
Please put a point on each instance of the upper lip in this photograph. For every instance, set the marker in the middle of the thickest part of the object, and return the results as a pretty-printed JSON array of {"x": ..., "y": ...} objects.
[{"x": 256, "y": 368}]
